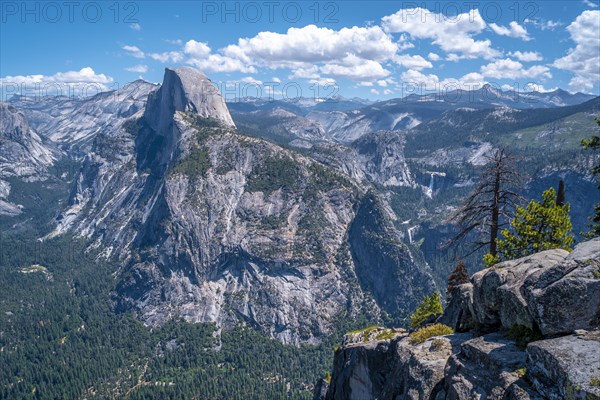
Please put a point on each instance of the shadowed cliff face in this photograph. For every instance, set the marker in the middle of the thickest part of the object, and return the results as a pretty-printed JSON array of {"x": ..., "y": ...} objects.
[
  {"x": 384, "y": 265},
  {"x": 215, "y": 226}
]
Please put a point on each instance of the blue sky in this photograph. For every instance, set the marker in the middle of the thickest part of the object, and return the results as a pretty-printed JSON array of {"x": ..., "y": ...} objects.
[{"x": 374, "y": 49}]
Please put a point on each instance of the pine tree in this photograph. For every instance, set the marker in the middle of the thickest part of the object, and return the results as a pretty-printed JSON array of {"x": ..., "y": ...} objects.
[
  {"x": 594, "y": 144},
  {"x": 560, "y": 195},
  {"x": 431, "y": 305},
  {"x": 458, "y": 276},
  {"x": 538, "y": 227}
]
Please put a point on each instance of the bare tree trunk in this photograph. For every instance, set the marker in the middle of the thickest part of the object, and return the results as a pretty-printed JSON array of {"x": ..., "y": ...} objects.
[
  {"x": 560, "y": 195},
  {"x": 493, "y": 197},
  {"x": 495, "y": 216}
]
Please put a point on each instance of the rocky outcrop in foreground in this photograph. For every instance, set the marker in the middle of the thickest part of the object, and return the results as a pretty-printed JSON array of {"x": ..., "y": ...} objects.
[{"x": 527, "y": 329}]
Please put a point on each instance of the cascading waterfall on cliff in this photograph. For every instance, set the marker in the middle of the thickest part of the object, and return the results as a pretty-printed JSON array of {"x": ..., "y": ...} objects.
[
  {"x": 431, "y": 183},
  {"x": 410, "y": 232},
  {"x": 429, "y": 190}
]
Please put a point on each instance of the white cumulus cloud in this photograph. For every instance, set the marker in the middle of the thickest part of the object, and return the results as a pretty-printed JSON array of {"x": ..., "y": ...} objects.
[
  {"x": 85, "y": 81},
  {"x": 511, "y": 69},
  {"x": 201, "y": 56},
  {"x": 312, "y": 44},
  {"x": 536, "y": 87},
  {"x": 431, "y": 82},
  {"x": 251, "y": 80},
  {"x": 545, "y": 25},
  {"x": 220, "y": 63},
  {"x": 356, "y": 53},
  {"x": 526, "y": 56},
  {"x": 451, "y": 34},
  {"x": 584, "y": 59},
  {"x": 412, "y": 62},
  {"x": 513, "y": 30},
  {"x": 196, "y": 49},
  {"x": 167, "y": 56},
  {"x": 355, "y": 68},
  {"x": 134, "y": 51},
  {"x": 305, "y": 73},
  {"x": 433, "y": 57}
]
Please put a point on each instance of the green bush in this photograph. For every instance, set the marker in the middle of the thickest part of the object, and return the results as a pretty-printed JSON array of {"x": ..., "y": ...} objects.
[
  {"x": 521, "y": 372},
  {"x": 385, "y": 335},
  {"x": 430, "y": 331},
  {"x": 132, "y": 126},
  {"x": 431, "y": 305},
  {"x": 365, "y": 332}
]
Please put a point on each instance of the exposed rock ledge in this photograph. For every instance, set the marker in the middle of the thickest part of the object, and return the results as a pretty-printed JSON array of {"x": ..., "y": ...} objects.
[{"x": 553, "y": 294}]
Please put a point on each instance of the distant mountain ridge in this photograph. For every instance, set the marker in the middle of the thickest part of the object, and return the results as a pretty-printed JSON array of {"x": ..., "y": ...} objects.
[
  {"x": 488, "y": 95},
  {"x": 345, "y": 120},
  {"x": 337, "y": 118},
  {"x": 233, "y": 215},
  {"x": 73, "y": 122}
]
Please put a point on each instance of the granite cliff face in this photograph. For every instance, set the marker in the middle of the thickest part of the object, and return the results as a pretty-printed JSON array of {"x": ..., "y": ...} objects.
[
  {"x": 187, "y": 90},
  {"x": 22, "y": 150},
  {"x": 24, "y": 155},
  {"x": 548, "y": 302},
  {"x": 214, "y": 226}
]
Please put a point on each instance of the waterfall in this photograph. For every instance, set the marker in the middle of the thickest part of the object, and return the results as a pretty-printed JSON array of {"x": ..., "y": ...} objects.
[
  {"x": 429, "y": 189},
  {"x": 431, "y": 183},
  {"x": 410, "y": 233}
]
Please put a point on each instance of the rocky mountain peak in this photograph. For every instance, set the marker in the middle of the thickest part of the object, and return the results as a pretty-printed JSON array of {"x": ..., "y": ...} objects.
[
  {"x": 18, "y": 143},
  {"x": 188, "y": 90},
  {"x": 22, "y": 154},
  {"x": 12, "y": 123}
]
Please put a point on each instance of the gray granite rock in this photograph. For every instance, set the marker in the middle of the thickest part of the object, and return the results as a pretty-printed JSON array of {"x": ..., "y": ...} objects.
[
  {"x": 320, "y": 390},
  {"x": 393, "y": 369},
  {"x": 564, "y": 367},
  {"x": 188, "y": 90},
  {"x": 485, "y": 368},
  {"x": 566, "y": 297},
  {"x": 497, "y": 291},
  {"x": 553, "y": 291},
  {"x": 459, "y": 314}
]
